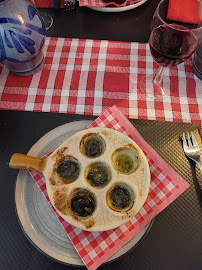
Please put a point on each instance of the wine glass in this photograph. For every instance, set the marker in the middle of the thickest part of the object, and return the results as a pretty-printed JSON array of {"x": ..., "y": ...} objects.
[
  {"x": 171, "y": 43},
  {"x": 47, "y": 19}
]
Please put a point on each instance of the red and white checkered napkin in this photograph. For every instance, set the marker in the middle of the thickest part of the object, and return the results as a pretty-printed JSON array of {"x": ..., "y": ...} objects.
[
  {"x": 95, "y": 248},
  {"x": 111, "y": 3}
]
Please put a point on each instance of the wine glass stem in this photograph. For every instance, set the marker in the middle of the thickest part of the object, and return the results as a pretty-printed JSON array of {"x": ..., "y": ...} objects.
[{"x": 159, "y": 76}]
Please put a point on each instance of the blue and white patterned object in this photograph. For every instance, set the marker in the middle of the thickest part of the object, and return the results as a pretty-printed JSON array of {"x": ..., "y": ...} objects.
[{"x": 22, "y": 37}]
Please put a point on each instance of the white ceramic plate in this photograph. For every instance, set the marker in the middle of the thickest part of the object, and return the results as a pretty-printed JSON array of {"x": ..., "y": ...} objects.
[
  {"x": 37, "y": 219},
  {"x": 118, "y": 9}
]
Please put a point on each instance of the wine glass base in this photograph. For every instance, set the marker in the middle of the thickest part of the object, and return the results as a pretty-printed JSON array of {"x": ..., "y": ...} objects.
[
  {"x": 154, "y": 91},
  {"x": 48, "y": 20}
]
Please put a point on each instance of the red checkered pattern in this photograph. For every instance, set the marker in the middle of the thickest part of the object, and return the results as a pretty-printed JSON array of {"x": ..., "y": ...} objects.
[
  {"x": 101, "y": 3},
  {"x": 89, "y": 76},
  {"x": 90, "y": 3},
  {"x": 166, "y": 185}
]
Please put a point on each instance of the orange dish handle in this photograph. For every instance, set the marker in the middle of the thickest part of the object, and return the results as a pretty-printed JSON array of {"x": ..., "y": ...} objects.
[{"x": 20, "y": 161}]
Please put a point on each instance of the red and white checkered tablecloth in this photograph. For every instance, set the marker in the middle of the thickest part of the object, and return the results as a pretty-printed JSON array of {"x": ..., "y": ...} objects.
[
  {"x": 89, "y": 76},
  {"x": 111, "y": 3},
  {"x": 90, "y": 3}
]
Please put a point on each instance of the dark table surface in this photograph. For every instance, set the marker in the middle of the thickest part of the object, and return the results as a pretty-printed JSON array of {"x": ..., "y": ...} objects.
[
  {"x": 83, "y": 22},
  {"x": 174, "y": 240}
]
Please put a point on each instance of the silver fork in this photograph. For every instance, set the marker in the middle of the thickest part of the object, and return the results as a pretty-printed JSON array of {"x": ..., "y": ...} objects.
[
  {"x": 69, "y": 4},
  {"x": 192, "y": 149}
]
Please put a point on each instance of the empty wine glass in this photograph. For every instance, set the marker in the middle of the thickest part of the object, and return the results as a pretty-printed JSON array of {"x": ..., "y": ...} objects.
[
  {"x": 47, "y": 19},
  {"x": 171, "y": 43}
]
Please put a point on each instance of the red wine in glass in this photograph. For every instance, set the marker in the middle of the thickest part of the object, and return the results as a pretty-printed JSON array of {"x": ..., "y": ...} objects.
[{"x": 171, "y": 45}]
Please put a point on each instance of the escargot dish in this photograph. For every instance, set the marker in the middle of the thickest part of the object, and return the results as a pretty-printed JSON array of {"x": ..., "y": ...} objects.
[{"x": 96, "y": 180}]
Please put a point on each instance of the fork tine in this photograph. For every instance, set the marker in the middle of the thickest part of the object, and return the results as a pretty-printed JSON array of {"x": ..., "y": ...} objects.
[
  {"x": 188, "y": 139},
  {"x": 194, "y": 139},
  {"x": 184, "y": 140},
  {"x": 192, "y": 149}
]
